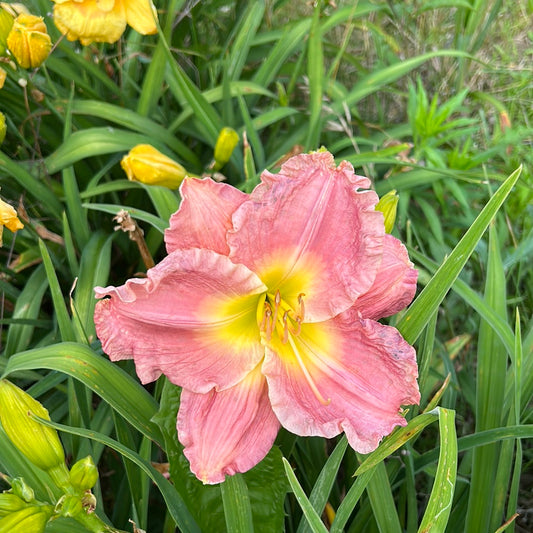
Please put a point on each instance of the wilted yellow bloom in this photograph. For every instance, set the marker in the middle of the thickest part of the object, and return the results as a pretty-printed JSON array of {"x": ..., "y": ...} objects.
[
  {"x": 8, "y": 218},
  {"x": 103, "y": 21},
  {"x": 29, "y": 41},
  {"x": 148, "y": 165},
  {"x": 39, "y": 443},
  {"x": 387, "y": 205},
  {"x": 226, "y": 143}
]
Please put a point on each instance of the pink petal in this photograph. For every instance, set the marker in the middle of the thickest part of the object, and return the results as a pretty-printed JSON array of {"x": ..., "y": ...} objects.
[
  {"x": 394, "y": 286},
  {"x": 229, "y": 431},
  {"x": 204, "y": 215},
  {"x": 362, "y": 373},
  {"x": 193, "y": 319},
  {"x": 307, "y": 230}
]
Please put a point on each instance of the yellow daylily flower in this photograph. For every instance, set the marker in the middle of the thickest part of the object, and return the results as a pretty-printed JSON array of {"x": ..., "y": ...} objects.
[
  {"x": 8, "y": 218},
  {"x": 103, "y": 21},
  {"x": 148, "y": 165},
  {"x": 29, "y": 41}
]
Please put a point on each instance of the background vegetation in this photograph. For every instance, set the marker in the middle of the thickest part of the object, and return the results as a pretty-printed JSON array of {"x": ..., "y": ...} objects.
[{"x": 433, "y": 99}]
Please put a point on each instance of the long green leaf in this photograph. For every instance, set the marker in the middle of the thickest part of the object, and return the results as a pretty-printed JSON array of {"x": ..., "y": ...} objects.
[
  {"x": 440, "y": 501},
  {"x": 418, "y": 314},
  {"x": 237, "y": 510},
  {"x": 316, "y": 524},
  {"x": 107, "y": 380}
]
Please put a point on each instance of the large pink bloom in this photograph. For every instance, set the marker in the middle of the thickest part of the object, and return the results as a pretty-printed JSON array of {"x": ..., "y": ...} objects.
[{"x": 265, "y": 311}]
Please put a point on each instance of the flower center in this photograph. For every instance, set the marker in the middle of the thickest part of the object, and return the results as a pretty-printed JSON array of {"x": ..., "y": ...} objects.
[{"x": 281, "y": 319}]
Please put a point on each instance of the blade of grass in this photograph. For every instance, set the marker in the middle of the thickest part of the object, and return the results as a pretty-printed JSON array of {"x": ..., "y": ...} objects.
[
  {"x": 107, "y": 380},
  {"x": 383, "y": 506},
  {"x": 62, "y": 316},
  {"x": 316, "y": 524},
  {"x": 420, "y": 311},
  {"x": 322, "y": 488},
  {"x": 440, "y": 501},
  {"x": 315, "y": 71},
  {"x": 490, "y": 394},
  {"x": 236, "y": 500}
]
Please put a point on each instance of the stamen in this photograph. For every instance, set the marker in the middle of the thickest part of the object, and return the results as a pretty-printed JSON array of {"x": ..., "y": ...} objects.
[
  {"x": 285, "y": 328},
  {"x": 277, "y": 302},
  {"x": 296, "y": 331},
  {"x": 269, "y": 324},
  {"x": 307, "y": 375},
  {"x": 263, "y": 324},
  {"x": 302, "y": 306}
]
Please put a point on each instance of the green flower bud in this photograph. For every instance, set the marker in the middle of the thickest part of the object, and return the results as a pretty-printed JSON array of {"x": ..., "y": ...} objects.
[
  {"x": 84, "y": 474},
  {"x": 22, "y": 490},
  {"x": 30, "y": 519},
  {"x": 39, "y": 443},
  {"x": 69, "y": 506},
  {"x": 227, "y": 140},
  {"x": 387, "y": 205},
  {"x": 9, "y": 503}
]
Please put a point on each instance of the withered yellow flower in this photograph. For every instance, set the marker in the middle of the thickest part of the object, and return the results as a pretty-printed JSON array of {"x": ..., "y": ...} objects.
[
  {"x": 29, "y": 41},
  {"x": 8, "y": 218},
  {"x": 148, "y": 165},
  {"x": 103, "y": 21}
]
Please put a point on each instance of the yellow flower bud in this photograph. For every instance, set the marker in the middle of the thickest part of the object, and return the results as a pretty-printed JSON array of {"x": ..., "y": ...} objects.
[
  {"x": 29, "y": 41},
  {"x": 3, "y": 75},
  {"x": 39, "y": 443},
  {"x": 3, "y": 127},
  {"x": 10, "y": 502},
  {"x": 148, "y": 165},
  {"x": 387, "y": 205},
  {"x": 227, "y": 140},
  {"x": 32, "y": 518},
  {"x": 6, "y": 23},
  {"x": 14, "y": 9},
  {"x": 84, "y": 474},
  {"x": 8, "y": 218}
]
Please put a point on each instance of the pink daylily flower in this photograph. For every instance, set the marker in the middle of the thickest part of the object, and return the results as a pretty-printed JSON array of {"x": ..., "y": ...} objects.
[{"x": 265, "y": 312}]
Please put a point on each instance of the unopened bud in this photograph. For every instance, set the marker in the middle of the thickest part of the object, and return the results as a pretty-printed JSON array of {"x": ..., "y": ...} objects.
[
  {"x": 69, "y": 506},
  {"x": 22, "y": 490},
  {"x": 148, "y": 165},
  {"x": 84, "y": 474},
  {"x": 227, "y": 140},
  {"x": 29, "y": 41},
  {"x": 30, "y": 519},
  {"x": 39, "y": 443},
  {"x": 10, "y": 502},
  {"x": 387, "y": 205},
  {"x": 3, "y": 127}
]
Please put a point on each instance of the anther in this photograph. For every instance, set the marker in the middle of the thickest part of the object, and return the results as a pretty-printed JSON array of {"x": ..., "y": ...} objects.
[
  {"x": 302, "y": 306},
  {"x": 277, "y": 302}
]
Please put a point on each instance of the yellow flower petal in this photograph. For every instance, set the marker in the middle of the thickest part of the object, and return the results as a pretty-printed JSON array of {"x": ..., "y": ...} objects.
[
  {"x": 141, "y": 16},
  {"x": 88, "y": 22},
  {"x": 8, "y": 218}
]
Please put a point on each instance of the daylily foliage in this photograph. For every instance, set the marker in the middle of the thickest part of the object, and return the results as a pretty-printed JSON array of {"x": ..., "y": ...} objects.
[{"x": 265, "y": 312}]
